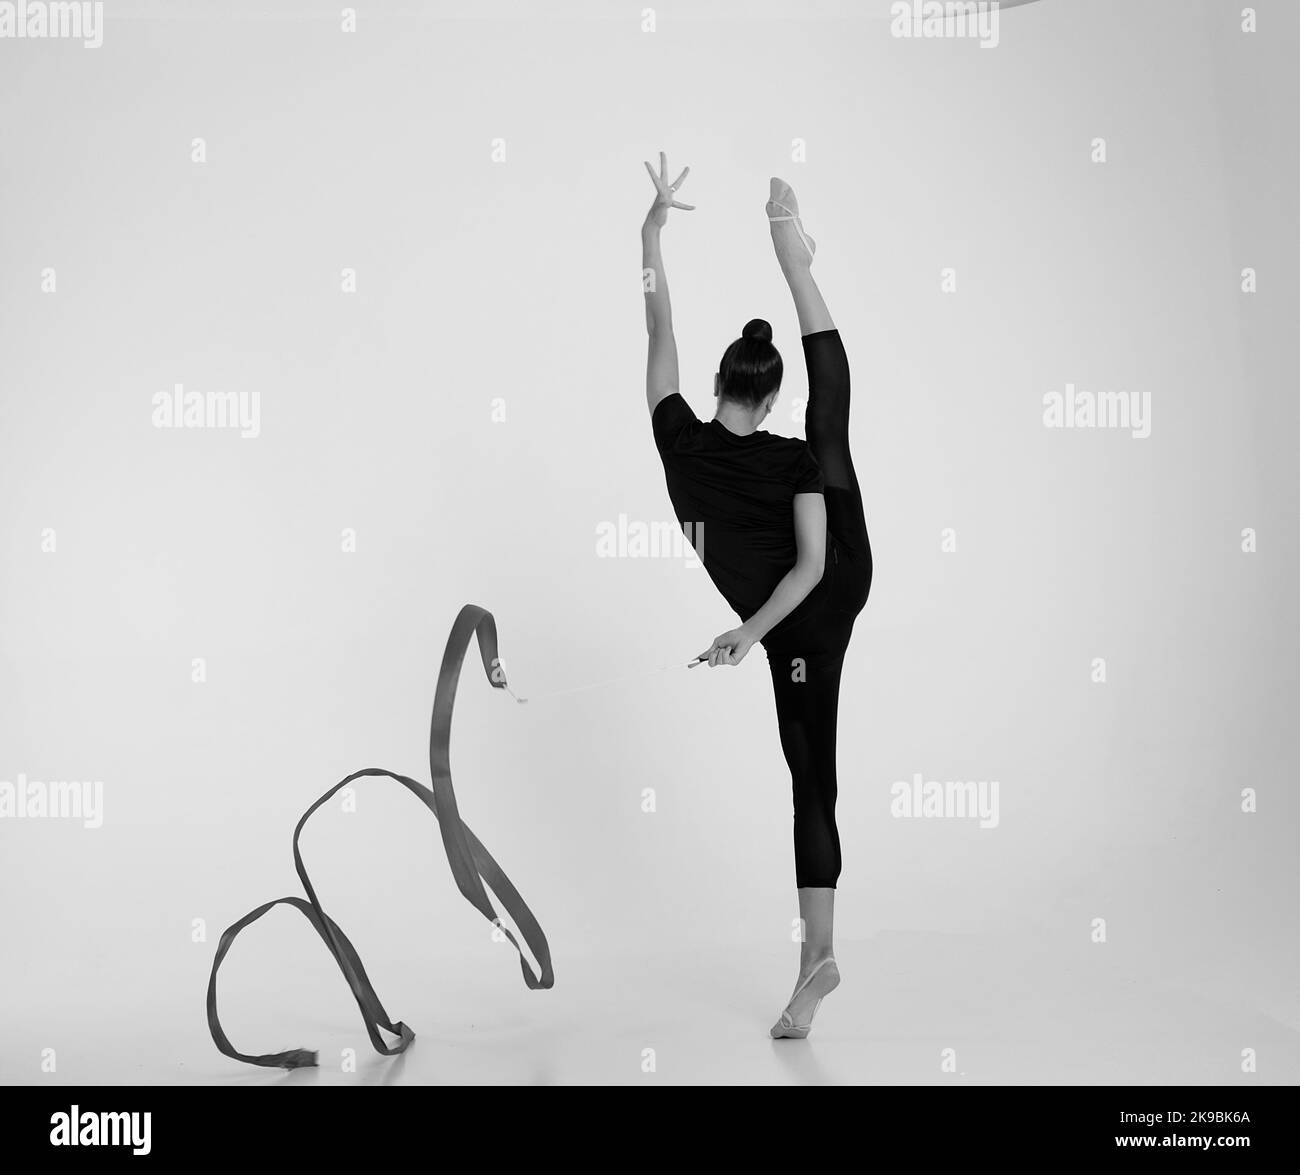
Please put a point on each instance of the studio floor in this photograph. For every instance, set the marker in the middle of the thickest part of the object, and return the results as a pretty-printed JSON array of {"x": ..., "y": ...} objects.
[{"x": 926, "y": 1009}]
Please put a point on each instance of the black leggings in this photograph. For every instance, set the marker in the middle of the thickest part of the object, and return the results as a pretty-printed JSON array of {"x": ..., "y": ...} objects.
[{"x": 805, "y": 660}]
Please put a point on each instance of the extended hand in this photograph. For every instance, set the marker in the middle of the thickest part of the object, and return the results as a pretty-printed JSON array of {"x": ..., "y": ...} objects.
[
  {"x": 665, "y": 193},
  {"x": 728, "y": 649}
]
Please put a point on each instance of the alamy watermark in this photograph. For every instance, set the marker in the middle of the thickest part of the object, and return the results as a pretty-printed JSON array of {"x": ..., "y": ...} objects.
[
  {"x": 953, "y": 799},
  {"x": 53, "y": 20},
  {"x": 976, "y": 19},
  {"x": 79, "y": 1127},
  {"x": 627, "y": 539},
  {"x": 181, "y": 409},
  {"x": 1079, "y": 409},
  {"x": 62, "y": 799}
]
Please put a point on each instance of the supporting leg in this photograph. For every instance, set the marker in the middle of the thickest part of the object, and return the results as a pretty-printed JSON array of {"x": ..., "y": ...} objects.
[
  {"x": 806, "y": 688},
  {"x": 817, "y": 913}
]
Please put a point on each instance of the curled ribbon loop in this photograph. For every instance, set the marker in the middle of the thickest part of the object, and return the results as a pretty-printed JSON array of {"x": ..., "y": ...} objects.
[{"x": 471, "y": 866}]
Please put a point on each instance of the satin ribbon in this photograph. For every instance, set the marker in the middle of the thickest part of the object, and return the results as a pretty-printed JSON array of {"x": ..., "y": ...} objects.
[{"x": 471, "y": 866}]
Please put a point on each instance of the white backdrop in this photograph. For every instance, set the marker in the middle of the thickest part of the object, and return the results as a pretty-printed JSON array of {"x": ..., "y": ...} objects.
[{"x": 474, "y": 411}]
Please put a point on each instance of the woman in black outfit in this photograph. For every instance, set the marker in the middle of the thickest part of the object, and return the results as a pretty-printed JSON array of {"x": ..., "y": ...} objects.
[{"x": 783, "y": 537}]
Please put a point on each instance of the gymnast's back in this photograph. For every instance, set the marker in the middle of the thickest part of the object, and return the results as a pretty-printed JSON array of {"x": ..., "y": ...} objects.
[{"x": 734, "y": 497}]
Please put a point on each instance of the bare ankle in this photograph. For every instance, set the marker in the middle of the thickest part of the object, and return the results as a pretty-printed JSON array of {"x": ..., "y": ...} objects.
[{"x": 810, "y": 957}]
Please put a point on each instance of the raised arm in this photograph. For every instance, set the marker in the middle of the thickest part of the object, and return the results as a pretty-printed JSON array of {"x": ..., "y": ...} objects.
[{"x": 661, "y": 360}]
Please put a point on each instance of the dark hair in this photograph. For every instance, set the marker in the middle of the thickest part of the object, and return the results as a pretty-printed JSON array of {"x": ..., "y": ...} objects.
[{"x": 751, "y": 367}]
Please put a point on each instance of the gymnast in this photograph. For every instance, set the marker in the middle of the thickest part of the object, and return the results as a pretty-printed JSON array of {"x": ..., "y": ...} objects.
[{"x": 784, "y": 541}]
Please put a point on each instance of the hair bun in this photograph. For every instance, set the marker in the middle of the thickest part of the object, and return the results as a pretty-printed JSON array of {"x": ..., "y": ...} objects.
[{"x": 756, "y": 328}]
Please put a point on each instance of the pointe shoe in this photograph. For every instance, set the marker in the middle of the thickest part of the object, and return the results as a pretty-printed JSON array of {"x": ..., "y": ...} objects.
[
  {"x": 782, "y": 197},
  {"x": 822, "y": 980}
]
